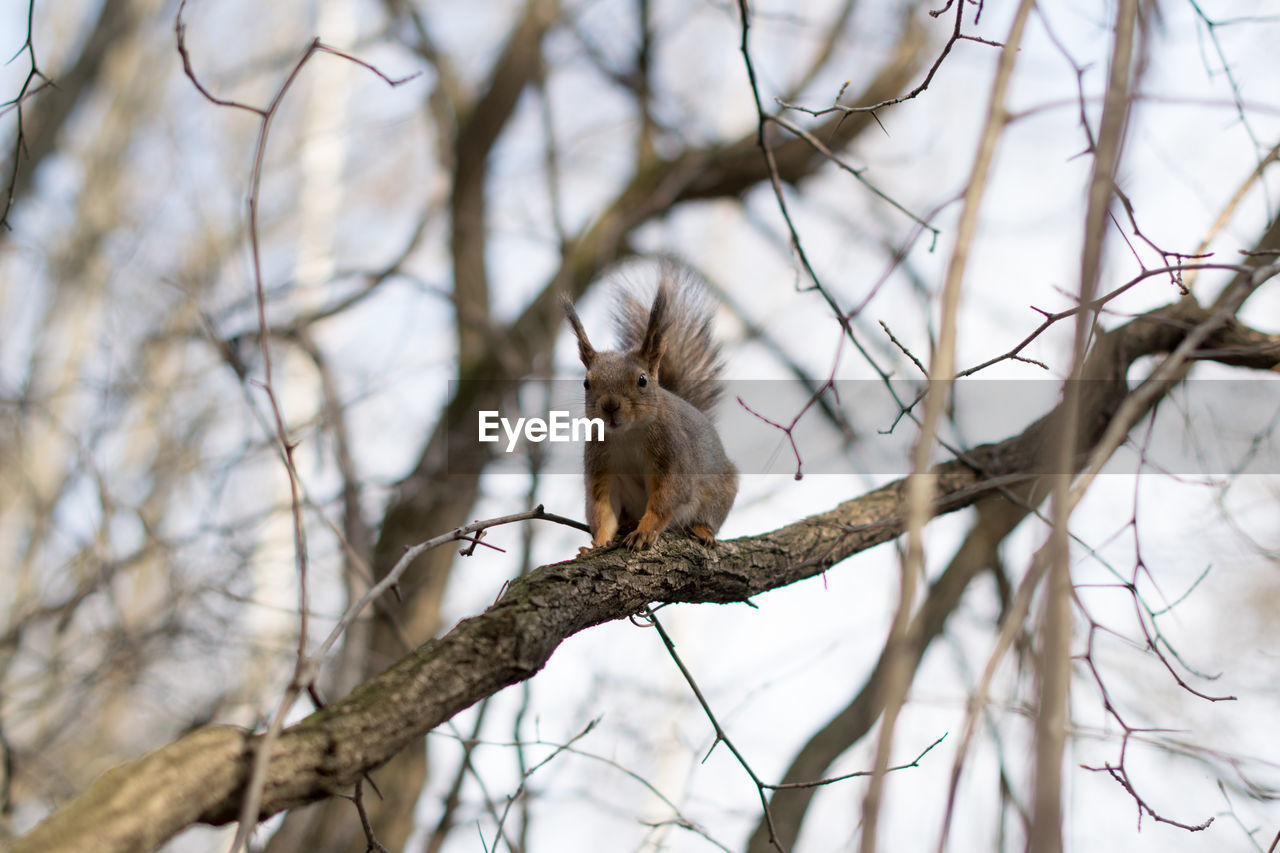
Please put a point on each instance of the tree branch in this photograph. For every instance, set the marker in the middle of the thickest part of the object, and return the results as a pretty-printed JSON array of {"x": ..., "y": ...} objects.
[
  {"x": 38, "y": 129},
  {"x": 200, "y": 778}
]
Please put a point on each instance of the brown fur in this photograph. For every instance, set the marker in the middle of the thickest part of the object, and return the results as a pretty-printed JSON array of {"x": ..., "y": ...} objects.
[{"x": 661, "y": 463}]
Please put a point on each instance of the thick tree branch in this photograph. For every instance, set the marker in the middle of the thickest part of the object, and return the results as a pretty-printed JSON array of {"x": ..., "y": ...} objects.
[{"x": 200, "y": 777}]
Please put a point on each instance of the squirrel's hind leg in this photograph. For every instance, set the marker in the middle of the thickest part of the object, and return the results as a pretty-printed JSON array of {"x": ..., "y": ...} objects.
[{"x": 704, "y": 533}]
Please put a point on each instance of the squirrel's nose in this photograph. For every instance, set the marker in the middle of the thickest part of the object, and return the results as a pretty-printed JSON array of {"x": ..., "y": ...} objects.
[{"x": 609, "y": 405}]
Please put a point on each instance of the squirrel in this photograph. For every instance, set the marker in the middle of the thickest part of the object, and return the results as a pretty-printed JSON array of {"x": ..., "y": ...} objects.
[{"x": 660, "y": 463}]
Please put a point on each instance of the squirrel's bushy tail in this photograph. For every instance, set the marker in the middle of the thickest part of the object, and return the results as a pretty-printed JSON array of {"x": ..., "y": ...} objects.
[{"x": 691, "y": 365}]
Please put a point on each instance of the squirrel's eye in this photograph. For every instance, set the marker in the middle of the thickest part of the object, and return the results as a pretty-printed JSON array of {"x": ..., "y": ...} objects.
[
  {"x": 586, "y": 383},
  {"x": 642, "y": 381}
]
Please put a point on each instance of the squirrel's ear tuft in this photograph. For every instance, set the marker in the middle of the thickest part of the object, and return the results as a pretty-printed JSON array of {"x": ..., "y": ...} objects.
[
  {"x": 654, "y": 343},
  {"x": 585, "y": 351}
]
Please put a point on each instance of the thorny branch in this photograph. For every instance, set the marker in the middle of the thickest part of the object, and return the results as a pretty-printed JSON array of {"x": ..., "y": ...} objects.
[
  {"x": 906, "y": 48},
  {"x": 721, "y": 736},
  {"x": 763, "y": 119},
  {"x": 372, "y": 843},
  {"x": 1121, "y": 775},
  {"x": 26, "y": 91},
  {"x": 957, "y": 34},
  {"x": 649, "y": 615}
]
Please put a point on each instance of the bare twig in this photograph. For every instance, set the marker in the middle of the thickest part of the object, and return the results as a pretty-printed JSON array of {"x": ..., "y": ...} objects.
[
  {"x": 566, "y": 746},
  {"x": 920, "y": 487},
  {"x": 915, "y": 762},
  {"x": 25, "y": 92},
  {"x": 451, "y": 798},
  {"x": 303, "y": 675},
  {"x": 956, "y": 35},
  {"x": 371, "y": 840}
]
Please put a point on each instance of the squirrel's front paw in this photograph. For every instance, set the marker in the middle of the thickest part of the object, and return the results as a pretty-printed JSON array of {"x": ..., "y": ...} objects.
[
  {"x": 584, "y": 550},
  {"x": 639, "y": 539}
]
